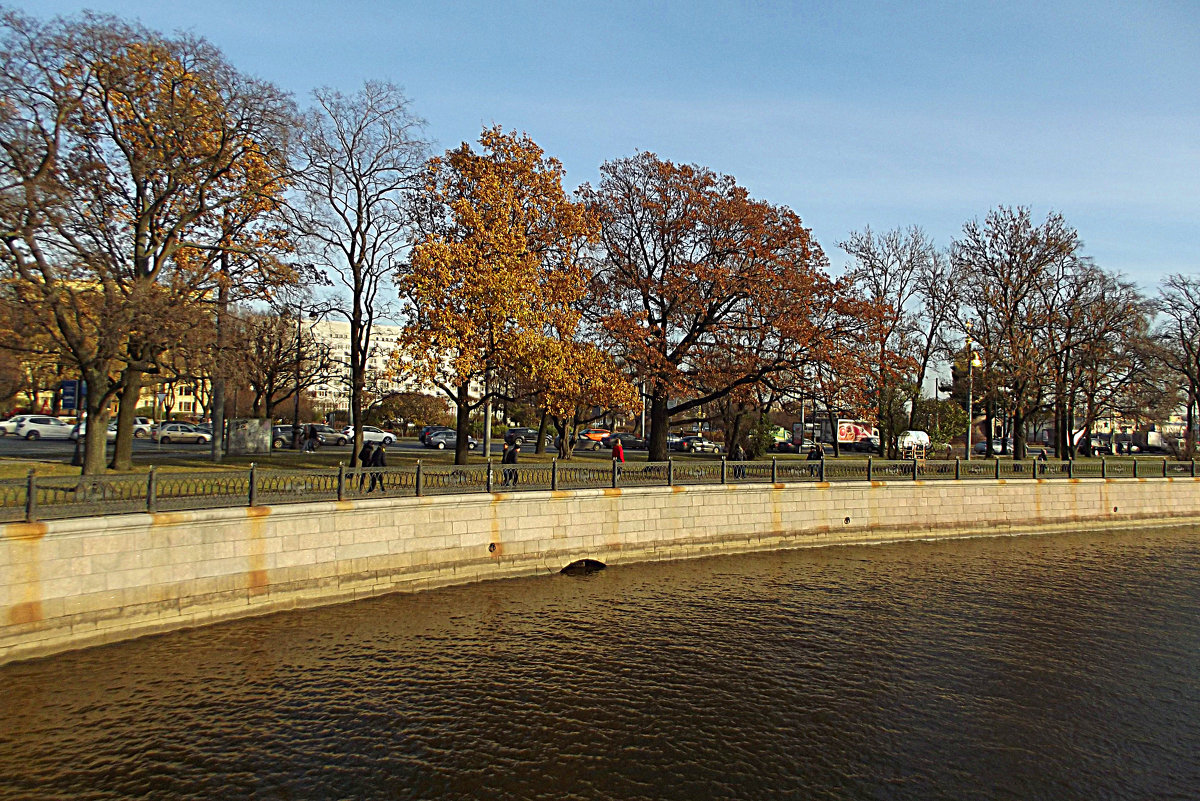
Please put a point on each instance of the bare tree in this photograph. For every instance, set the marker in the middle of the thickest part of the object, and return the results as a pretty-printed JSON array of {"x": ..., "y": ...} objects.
[
  {"x": 1178, "y": 338},
  {"x": 357, "y": 157},
  {"x": 1004, "y": 262}
]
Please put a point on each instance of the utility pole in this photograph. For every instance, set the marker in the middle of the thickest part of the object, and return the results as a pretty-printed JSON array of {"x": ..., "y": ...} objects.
[{"x": 296, "y": 402}]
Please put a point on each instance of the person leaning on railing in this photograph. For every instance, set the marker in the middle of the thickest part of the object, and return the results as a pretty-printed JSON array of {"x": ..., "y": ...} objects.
[{"x": 510, "y": 457}]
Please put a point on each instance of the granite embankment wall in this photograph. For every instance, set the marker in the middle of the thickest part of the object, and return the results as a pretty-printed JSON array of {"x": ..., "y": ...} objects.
[{"x": 74, "y": 583}]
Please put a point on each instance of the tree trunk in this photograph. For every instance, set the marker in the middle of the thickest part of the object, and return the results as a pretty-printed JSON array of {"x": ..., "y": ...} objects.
[
  {"x": 659, "y": 422},
  {"x": 218, "y": 388},
  {"x": 96, "y": 439},
  {"x": 833, "y": 426},
  {"x": 462, "y": 423},
  {"x": 542, "y": 425},
  {"x": 131, "y": 390},
  {"x": 1018, "y": 434}
]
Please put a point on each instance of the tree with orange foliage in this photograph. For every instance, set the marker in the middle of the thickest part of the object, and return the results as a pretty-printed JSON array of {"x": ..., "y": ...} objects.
[
  {"x": 701, "y": 289},
  {"x": 118, "y": 145},
  {"x": 495, "y": 272}
]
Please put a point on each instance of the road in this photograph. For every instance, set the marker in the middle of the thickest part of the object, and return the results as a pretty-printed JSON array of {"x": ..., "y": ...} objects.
[{"x": 14, "y": 447}]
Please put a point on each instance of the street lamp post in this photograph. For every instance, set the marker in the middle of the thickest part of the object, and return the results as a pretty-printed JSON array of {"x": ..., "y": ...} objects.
[
  {"x": 972, "y": 360},
  {"x": 296, "y": 402}
]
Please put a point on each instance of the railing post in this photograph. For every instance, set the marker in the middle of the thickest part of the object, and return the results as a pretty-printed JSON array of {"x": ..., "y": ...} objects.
[
  {"x": 1103, "y": 467},
  {"x": 614, "y": 473},
  {"x": 491, "y": 477},
  {"x": 870, "y": 470},
  {"x": 253, "y": 484},
  {"x": 420, "y": 479},
  {"x": 31, "y": 491},
  {"x": 1193, "y": 468},
  {"x": 914, "y": 466},
  {"x": 341, "y": 481},
  {"x": 1070, "y": 468},
  {"x": 152, "y": 490},
  {"x": 775, "y": 469},
  {"x": 1135, "y": 475},
  {"x": 724, "y": 474},
  {"x": 957, "y": 469},
  {"x": 821, "y": 470},
  {"x": 1164, "y": 467},
  {"x": 997, "y": 469},
  {"x": 554, "y": 473},
  {"x": 670, "y": 472}
]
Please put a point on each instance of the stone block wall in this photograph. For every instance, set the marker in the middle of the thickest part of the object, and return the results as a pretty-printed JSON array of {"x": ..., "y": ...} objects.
[{"x": 73, "y": 583}]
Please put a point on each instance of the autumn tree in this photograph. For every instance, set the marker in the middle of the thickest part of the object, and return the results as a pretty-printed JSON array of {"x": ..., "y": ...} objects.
[
  {"x": 117, "y": 144},
  {"x": 358, "y": 159},
  {"x": 495, "y": 270},
  {"x": 278, "y": 358},
  {"x": 700, "y": 289}
]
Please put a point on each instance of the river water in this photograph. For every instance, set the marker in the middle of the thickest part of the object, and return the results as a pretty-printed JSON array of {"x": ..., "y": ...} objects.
[{"x": 1063, "y": 667}]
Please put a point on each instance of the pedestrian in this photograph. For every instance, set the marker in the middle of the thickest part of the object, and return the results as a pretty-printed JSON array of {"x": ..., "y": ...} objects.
[
  {"x": 311, "y": 439},
  {"x": 618, "y": 455},
  {"x": 739, "y": 456},
  {"x": 364, "y": 461},
  {"x": 378, "y": 461},
  {"x": 510, "y": 458}
]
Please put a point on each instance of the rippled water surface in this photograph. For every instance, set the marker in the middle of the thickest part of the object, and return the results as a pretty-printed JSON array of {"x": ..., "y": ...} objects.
[{"x": 1017, "y": 668}]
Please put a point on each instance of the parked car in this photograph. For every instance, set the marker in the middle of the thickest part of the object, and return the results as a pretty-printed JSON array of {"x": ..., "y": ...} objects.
[
  {"x": 863, "y": 445},
  {"x": 595, "y": 434},
  {"x": 281, "y": 436},
  {"x": 42, "y": 427},
  {"x": 427, "y": 430},
  {"x": 673, "y": 440},
  {"x": 583, "y": 443},
  {"x": 524, "y": 436},
  {"x": 788, "y": 446},
  {"x": 143, "y": 427},
  {"x": 998, "y": 445},
  {"x": 79, "y": 431},
  {"x": 443, "y": 440},
  {"x": 181, "y": 432},
  {"x": 328, "y": 436},
  {"x": 10, "y": 425},
  {"x": 628, "y": 441},
  {"x": 698, "y": 444}
]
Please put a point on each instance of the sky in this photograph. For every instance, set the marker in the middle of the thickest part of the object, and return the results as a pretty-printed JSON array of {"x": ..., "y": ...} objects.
[{"x": 854, "y": 114}]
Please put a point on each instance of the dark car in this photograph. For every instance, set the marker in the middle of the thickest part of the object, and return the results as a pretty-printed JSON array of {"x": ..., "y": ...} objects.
[
  {"x": 629, "y": 442},
  {"x": 864, "y": 445},
  {"x": 442, "y": 440},
  {"x": 521, "y": 436},
  {"x": 427, "y": 431}
]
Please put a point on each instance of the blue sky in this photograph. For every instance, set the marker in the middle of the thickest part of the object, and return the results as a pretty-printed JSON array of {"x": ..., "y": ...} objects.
[{"x": 851, "y": 113}]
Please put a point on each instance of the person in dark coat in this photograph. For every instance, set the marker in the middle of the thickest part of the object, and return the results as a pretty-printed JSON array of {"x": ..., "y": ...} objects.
[
  {"x": 364, "y": 461},
  {"x": 510, "y": 473},
  {"x": 378, "y": 460}
]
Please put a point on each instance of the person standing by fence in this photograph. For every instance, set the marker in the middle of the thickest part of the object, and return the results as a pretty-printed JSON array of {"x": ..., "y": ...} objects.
[
  {"x": 378, "y": 461},
  {"x": 739, "y": 456},
  {"x": 510, "y": 458},
  {"x": 364, "y": 461},
  {"x": 618, "y": 455}
]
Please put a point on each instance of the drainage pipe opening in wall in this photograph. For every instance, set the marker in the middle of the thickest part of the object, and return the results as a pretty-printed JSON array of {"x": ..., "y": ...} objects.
[{"x": 583, "y": 567}]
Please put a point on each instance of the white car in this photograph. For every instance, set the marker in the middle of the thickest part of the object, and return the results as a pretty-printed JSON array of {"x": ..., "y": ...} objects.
[
  {"x": 9, "y": 426},
  {"x": 181, "y": 432},
  {"x": 372, "y": 434},
  {"x": 79, "y": 431},
  {"x": 42, "y": 427},
  {"x": 143, "y": 427}
]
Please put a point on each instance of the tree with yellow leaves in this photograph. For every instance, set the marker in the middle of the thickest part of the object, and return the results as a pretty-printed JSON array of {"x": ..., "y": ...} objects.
[
  {"x": 120, "y": 147},
  {"x": 495, "y": 273}
]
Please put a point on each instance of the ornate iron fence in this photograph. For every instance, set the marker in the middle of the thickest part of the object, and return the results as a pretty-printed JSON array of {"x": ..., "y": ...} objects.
[{"x": 44, "y": 498}]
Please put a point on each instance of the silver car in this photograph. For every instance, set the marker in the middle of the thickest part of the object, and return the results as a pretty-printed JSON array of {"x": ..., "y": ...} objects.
[{"x": 181, "y": 432}]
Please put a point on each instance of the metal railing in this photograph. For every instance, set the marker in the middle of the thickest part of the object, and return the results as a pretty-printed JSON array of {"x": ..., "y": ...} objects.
[{"x": 55, "y": 497}]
